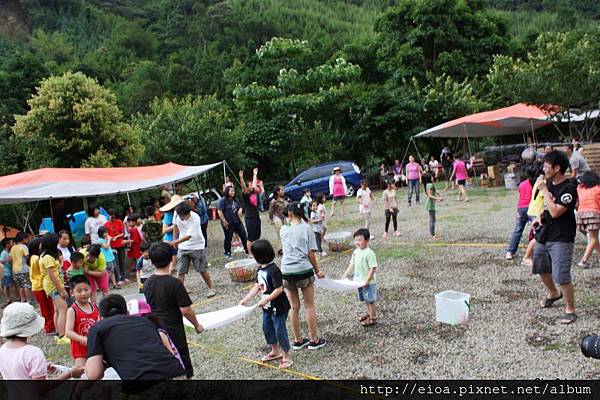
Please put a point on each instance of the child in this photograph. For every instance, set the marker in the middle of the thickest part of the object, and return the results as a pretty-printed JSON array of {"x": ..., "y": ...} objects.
[
  {"x": 19, "y": 254},
  {"x": 76, "y": 268},
  {"x": 274, "y": 303},
  {"x": 81, "y": 316},
  {"x": 316, "y": 221},
  {"x": 432, "y": 197},
  {"x": 7, "y": 274},
  {"x": 37, "y": 287},
  {"x": 534, "y": 211},
  {"x": 170, "y": 302},
  {"x": 18, "y": 359},
  {"x": 305, "y": 201},
  {"x": 144, "y": 267},
  {"x": 135, "y": 238},
  {"x": 104, "y": 241},
  {"x": 322, "y": 213},
  {"x": 152, "y": 229},
  {"x": 459, "y": 171},
  {"x": 94, "y": 266},
  {"x": 364, "y": 263},
  {"x": 588, "y": 214},
  {"x": 364, "y": 198},
  {"x": 53, "y": 283},
  {"x": 390, "y": 203}
]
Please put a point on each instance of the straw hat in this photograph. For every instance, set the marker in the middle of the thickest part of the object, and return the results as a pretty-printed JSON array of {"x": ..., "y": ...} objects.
[
  {"x": 175, "y": 200},
  {"x": 337, "y": 169},
  {"x": 20, "y": 319}
]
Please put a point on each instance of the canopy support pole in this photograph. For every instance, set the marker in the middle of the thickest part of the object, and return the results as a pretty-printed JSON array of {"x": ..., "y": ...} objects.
[{"x": 128, "y": 198}]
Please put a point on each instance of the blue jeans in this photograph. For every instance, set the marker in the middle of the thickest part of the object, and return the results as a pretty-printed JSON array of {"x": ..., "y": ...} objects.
[
  {"x": 413, "y": 185},
  {"x": 275, "y": 329},
  {"x": 520, "y": 223}
]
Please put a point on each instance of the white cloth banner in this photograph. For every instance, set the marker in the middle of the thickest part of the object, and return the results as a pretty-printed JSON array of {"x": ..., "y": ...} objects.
[
  {"x": 218, "y": 319},
  {"x": 109, "y": 374},
  {"x": 338, "y": 285}
]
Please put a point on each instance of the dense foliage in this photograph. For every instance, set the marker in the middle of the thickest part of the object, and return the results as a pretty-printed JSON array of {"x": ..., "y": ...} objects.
[{"x": 281, "y": 84}]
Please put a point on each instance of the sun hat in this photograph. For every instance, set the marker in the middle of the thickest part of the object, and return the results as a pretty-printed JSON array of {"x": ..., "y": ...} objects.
[
  {"x": 337, "y": 169},
  {"x": 20, "y": 319},
  {"x": 175, "y": 200}
]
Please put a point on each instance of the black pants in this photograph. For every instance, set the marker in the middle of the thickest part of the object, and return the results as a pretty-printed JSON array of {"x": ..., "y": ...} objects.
[
  {"x": 177, "y": 334},
  {"x": 319, "y": 241},
  {"x": 393, "y": 216},
  {"x": 238, "y": 228},
  {"x": 120, "y": 270},
  {"x": 204, "y": 228}
]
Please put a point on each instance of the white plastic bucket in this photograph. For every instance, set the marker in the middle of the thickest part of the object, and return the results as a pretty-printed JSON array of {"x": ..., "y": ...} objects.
[
  {"x": 452, "y": 307},
  {"x": 511, "y": 181}
]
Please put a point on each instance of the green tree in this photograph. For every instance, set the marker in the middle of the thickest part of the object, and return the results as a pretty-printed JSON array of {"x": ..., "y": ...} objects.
[
  {"x": 75, "y": 122},
  {"x": 190, "y": 130},
  {"x": 561, "y": 73}
]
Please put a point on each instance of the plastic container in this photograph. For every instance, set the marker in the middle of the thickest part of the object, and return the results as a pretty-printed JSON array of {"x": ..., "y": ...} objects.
[
  {"x": 511, "y": 181},
  {"x": 452, "y": 307},
  {"x": 137, "y": 305},
  {"x": 339, "y": 241},
  {"x": 242, "y": 270}
]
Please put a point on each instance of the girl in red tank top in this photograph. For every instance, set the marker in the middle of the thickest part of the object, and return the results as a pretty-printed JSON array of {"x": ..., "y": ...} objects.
[{"x": 81, "y": 316}]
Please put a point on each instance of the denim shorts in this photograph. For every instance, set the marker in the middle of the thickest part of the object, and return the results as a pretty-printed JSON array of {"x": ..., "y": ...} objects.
[
  {"x": 7, "y": 281},
  {"x": 54, "y": 294},
  {"x": 368, "y": 294},
  {"x": 110, "y": 266}
]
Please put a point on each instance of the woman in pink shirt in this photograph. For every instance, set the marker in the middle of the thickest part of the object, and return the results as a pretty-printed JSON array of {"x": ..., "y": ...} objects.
[
  {"x": 459, "y": 171},
  {"x": 413, "y": 175},
  {"x": 525, "y": 193},
  {"x": 338, "y": 189},
  {"x": 588, "y": 214}
]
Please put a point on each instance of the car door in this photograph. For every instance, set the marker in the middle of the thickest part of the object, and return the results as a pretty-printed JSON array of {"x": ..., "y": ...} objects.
[
  {"x": 321, "y": 180},
  {"x": 294, "y": 190}
]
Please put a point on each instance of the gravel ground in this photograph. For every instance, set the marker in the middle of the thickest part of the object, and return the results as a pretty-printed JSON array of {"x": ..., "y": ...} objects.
[{"x": 507, "y": 337}]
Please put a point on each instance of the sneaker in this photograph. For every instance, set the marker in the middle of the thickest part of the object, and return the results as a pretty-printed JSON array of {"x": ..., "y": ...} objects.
[
  {"x": 385, "y": 235},
  {"x": 584, "y": 264},
  {"x": 510, "y": 256},
  {"x": 116, "y": 287},
  {"x": 300, "y": 345},
  {"x": 316, "y": 345},
  {"x": 323, "y": 254},
  {"x": 62, "y": 340},
  {"x": 211, "y": 293},
  {"x": 397, "y": 233}
]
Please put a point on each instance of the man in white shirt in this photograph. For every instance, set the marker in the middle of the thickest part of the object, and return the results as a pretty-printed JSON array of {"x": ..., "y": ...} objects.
[
  {"x": 190, "y": 244},
  {"x": 94, "y": 222}
]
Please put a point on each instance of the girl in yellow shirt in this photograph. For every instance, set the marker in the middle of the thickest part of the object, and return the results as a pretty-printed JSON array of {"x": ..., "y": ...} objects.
[
  {"x": 37, "y": 286},
  {"x": 53, "y": 283}
]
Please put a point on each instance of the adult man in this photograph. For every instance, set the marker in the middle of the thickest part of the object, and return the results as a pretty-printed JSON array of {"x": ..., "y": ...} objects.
[
  {"x": 190, "y": 243},
  {"x": 552, "y": 255},
  {"x": 397, "y": 170},
  {"x": 250, "y": 197},
  {"x": 230, "y": 213},
  {"x": 578, "y": 163}
]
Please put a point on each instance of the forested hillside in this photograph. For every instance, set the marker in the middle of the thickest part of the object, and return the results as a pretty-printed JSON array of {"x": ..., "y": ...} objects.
[{"x": 282, "y": 84}]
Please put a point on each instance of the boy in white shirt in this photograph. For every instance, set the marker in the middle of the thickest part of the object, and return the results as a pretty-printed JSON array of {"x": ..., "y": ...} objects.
[{"x": 190, "y": 244}]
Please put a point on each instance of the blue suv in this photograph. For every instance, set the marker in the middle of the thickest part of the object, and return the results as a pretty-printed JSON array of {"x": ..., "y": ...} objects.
[{"x": 317, "y": 179}]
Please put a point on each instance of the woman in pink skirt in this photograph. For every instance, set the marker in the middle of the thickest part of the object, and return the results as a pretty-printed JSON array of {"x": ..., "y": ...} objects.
[
  {"x": 588, "y": 214},
  {"x": 338, "y": 189}
]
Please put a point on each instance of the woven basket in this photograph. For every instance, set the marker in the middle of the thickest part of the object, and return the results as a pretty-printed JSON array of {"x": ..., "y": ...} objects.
[
  {"x": 339, "y": 241},
  {"x": 242, "y": 270}
]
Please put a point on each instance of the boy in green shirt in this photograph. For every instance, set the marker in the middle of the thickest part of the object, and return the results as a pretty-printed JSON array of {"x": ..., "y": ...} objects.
[{"x": 364, "y": 263}]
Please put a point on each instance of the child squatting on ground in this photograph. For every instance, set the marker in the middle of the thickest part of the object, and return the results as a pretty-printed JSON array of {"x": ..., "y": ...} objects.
[
  {"x": 274, "y": 303},
  {"x": 364, "y": 263}
]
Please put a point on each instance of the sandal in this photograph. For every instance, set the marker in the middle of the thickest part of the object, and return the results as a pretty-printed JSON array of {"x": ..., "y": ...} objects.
[
  {"x": 568, "y": 318},
  {"x": 285, "y": 364},
  {"x": 368, "y": 322},
  {"x": 549, "y": 302},
  {"x": 364, "y": 318},
  {"x": 271, "y": 357}
]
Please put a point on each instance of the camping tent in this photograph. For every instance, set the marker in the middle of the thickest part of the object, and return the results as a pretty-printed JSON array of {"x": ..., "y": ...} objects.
[
  {"x": 516, "y": 119},
  {"x": 51, "y": 183}
]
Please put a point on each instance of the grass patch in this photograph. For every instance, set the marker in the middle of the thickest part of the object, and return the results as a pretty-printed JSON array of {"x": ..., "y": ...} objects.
[
  {"x": 495, "y": 208},
  {"x": 451, "y": 218},
  {"x": 552, "y": 347},
  {"x": 407, "y": 252}
]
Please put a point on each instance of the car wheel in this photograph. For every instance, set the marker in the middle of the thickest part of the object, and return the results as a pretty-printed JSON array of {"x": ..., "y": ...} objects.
[{"x": 351, "y": 190}]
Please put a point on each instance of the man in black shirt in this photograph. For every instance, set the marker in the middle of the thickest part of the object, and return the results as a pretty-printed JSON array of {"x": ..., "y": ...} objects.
[
  {"x": 131, "y": 345},
  {"x": 552, "y": 256},
  {"x": 229, "y": 212},
  {"x": 250, "y": 194}
]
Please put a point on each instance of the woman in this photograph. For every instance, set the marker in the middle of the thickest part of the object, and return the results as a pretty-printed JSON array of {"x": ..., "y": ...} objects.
[
  {"x": 131, "y": 345},
  {"x": 459, "y": 170},
  {"x": 433, "y": 168},
  {"x": 298, "y": 268},
  {"x": 383, "y": 175},
  {"x": 413, "y": 174},
  {"x": 277, "y": 208},
  {"x": 94, "y": 221},
  {"x": 337, "y": 189},
  {"x": 230, "y": 214},
  {"x": 588, "y": 214}
]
